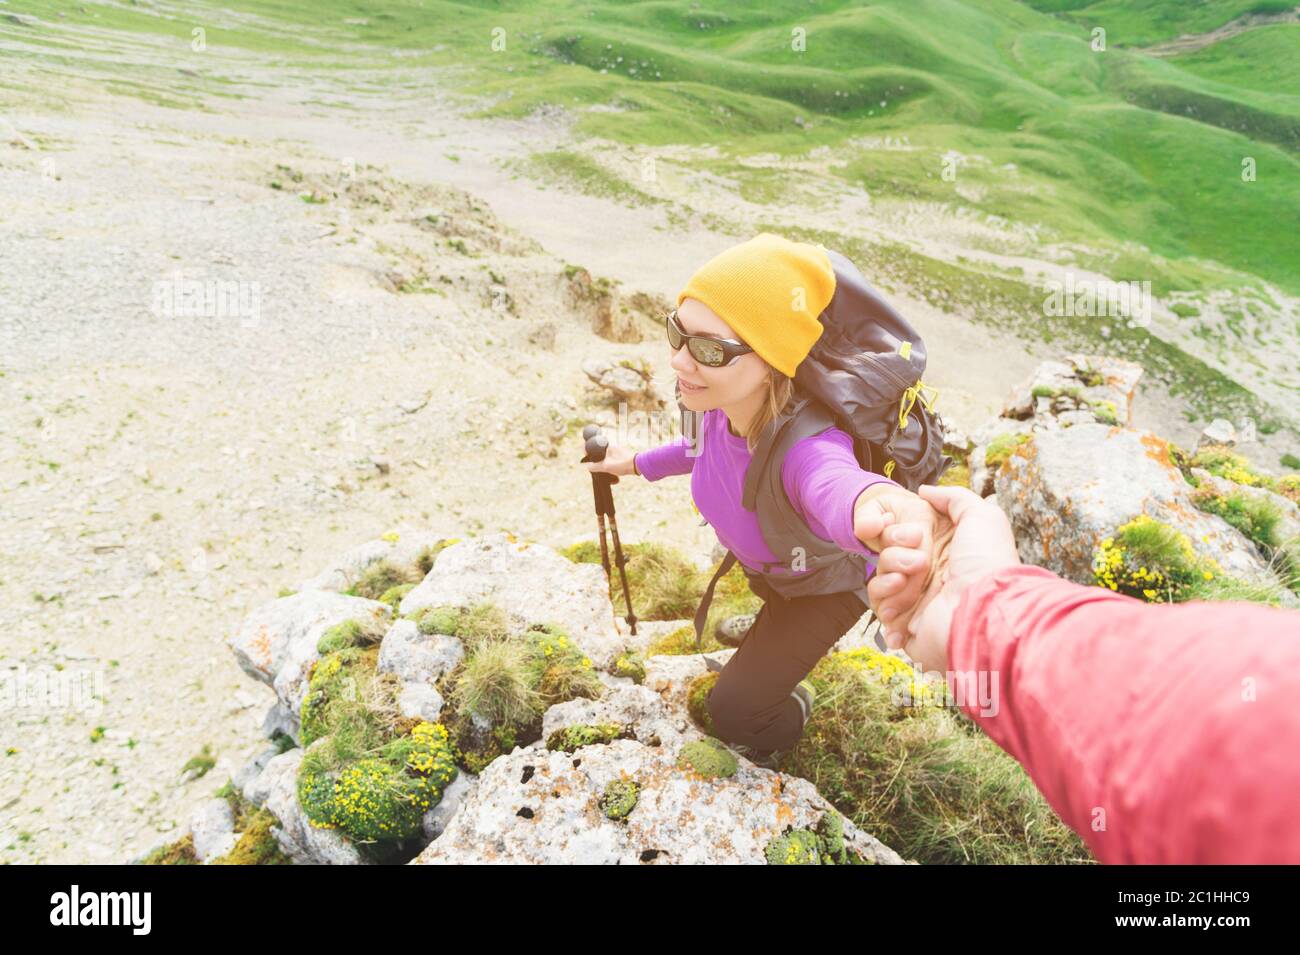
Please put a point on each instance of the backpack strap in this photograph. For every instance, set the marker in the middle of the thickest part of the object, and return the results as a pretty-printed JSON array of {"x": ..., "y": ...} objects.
[
  {"x": 782, "y": 526},
  {"x": 702, "y": 612}
]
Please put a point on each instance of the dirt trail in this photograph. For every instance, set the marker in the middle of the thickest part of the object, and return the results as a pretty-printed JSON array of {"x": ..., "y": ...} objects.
[
  {"x": 160, "y": 474},
  {"x": 1190, "y": 43}
]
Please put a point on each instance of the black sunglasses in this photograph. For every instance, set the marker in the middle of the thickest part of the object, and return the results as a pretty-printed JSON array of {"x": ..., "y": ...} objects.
[{"x": 714, "y": 352}]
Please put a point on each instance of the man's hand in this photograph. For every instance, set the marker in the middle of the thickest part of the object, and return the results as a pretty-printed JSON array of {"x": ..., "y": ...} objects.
[
  {"x": 981, "y": 543},
  {"x": 878, "y": 511}
]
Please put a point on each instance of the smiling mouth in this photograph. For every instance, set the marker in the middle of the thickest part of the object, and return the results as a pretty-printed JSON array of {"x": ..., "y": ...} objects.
[{"x": 687, "y": 386}]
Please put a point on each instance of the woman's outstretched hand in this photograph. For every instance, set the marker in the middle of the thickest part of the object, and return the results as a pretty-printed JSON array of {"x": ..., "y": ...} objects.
[
  {"x": 618, "y": 461},
  {"x": 981, "y": 542},
  {"x": 876, "y": 512}
]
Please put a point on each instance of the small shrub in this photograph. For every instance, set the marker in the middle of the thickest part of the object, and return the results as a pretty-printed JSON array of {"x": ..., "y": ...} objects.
[{"x": 1150, "y": 560}]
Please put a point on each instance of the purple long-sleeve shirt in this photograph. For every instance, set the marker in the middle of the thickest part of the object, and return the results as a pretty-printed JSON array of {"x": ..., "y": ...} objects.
[{"x": 822, "y": 479}]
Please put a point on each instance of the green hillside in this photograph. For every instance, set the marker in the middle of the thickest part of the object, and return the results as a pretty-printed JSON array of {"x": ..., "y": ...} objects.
[{"x": 1134, "y": 159}]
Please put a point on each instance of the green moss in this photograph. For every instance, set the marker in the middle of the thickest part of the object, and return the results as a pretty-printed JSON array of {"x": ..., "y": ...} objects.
[
  {"x": 180, "y": 852},
  {"x": 708, "y": 757},
  {"x": 619, "y": 798},
  {"x": 357, "y": 632},
  {"x": 257, "y": 844},
  {"x": 697, "y": 700},
  {"x": 1001, "y": 448},
  {"x": 570, "y": 738},
  {"x": 1291, "y": 461},
  {"x": 823, "y": 845},
  {"x": 393, "y": 595},
  {"x": 797, "y": 847},
  {"x": 1043, "y": 391},
  {"x": 629, "y": 664},
  {"x": 1105, "y": 411},
  {"x": 478, "y": 623}
]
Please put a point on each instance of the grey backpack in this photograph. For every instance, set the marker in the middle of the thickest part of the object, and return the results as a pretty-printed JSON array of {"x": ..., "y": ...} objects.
[{"x": 862, "y": 375}]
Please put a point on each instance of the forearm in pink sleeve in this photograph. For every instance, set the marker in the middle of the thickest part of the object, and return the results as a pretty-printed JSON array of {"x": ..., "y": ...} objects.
[
  {"x": 823, "y": 480},
  {"x": 1160, "y": 733},
  {"x": 665, "y": 460}
]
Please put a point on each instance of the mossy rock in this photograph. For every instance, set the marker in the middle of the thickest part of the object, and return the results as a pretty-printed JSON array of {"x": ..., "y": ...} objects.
[
  {"x": 708, "y": 757},
  {"x": 629, "y": 664},
  {"x": 180, "y": 852},
  {"x": 339, "y": 690},
  {"x": 257, "y": 844},
  {"x": 1001, "y": 448},
  {"x": 357, "y": 632},
  {"x": 619, "y": 798},
  {"x": 569, "y": 738},
  {"x": 393, "y": 595},
  {"x": 697, "y": 700}
]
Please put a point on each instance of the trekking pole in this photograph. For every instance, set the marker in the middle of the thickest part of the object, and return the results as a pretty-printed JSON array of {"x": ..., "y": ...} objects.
[{"x": 602, "y": 490}]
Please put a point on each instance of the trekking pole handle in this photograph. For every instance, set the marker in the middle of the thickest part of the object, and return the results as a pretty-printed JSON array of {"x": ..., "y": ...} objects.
[{"x": 596, "y": 443}]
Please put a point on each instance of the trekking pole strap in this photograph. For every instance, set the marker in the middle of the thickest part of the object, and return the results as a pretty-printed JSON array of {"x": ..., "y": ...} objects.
[{"x": 702, "y": 613}]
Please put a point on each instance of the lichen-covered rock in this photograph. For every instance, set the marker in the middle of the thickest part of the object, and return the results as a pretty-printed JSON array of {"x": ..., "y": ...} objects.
[
  {"x": 212, "y": 827},
  {"x": 298, "y": 838},
  {"x": 670, "y": 675},
  {"x": 535, "y": 806},
  {"x": 639, "y": 707},
  {"x": 1083, "y": 389},
  {"x": 401, "y": 546},
  {"x": 288, "y": 626},
  {"x": 532, "y": 583},
  {"x": 1065, "y": 491},
  {"x": 416, "y": 657}
]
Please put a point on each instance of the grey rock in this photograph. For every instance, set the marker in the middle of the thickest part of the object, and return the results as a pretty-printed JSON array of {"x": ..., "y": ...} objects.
[
  {"x": 436, "y": 819},
  {"x": 266, "y": 637},
  {"x": 532, "y": 583},
  {"x": 1067, "y": 490},
  {"x": 539, "y": 807},
  {"x": 298, "y": 838},
  {"x": 415, "y": 657},
  {"x": 213, "y": 829}
]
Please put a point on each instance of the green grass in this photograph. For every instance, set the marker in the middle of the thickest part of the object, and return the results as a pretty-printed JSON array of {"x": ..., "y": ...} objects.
[{"x": 1144, "y": 22}]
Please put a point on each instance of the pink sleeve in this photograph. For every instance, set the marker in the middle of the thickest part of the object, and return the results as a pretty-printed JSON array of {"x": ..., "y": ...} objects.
[
  {"x": 1160, "y": 733},
  {"x": 823, "y": 479},
  {"x": 667, "y": 459}
]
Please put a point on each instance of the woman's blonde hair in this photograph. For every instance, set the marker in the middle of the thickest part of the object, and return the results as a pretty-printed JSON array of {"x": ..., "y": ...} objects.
[{"x": 780, "y": 389}]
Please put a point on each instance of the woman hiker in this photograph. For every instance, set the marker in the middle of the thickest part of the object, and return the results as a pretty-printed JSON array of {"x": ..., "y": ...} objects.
[{"x": 742, "y": 325}]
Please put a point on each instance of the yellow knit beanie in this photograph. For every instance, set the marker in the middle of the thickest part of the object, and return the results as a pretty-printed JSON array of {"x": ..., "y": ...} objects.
[{"x": 770, "y": 290}]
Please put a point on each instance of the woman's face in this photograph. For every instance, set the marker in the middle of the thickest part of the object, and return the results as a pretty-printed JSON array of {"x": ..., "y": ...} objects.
[{"x": 727, "y": 386}]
